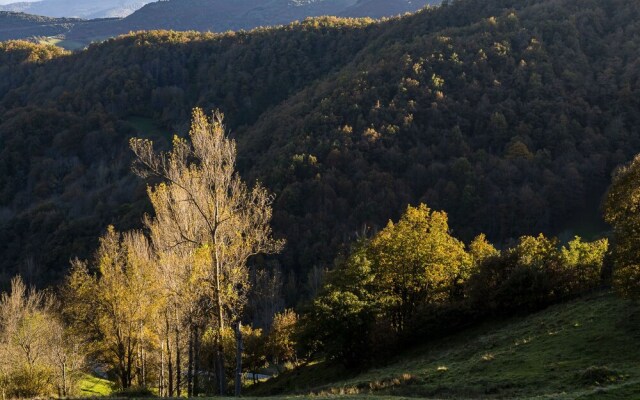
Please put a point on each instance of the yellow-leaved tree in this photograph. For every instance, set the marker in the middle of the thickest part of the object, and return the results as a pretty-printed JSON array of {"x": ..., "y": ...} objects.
[
  {"x": 377, "y": 292},
  {"x": 622, "y": 211},
  {"x": 416, "y": 261},
  {"x": 115, "y": 306},
  {"x": 203, "y": 206}
]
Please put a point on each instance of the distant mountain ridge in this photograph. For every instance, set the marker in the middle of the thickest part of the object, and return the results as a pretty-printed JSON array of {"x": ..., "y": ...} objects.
[
  {"x": 20, "y": 25},
  {"x": 224, "y": 15},
  {"x": 86, "y": 9},
  {"x": 197, "y": 15}
]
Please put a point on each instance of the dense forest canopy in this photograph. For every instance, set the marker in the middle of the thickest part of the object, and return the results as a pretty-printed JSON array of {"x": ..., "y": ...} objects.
[{"x": 509, "y": 114}]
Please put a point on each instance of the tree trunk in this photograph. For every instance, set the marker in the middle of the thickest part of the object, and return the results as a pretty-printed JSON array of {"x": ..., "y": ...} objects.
[
  {"x": 122, "y": 368},
  {"x": 239, "y": 349},
  {"x": 220, "y": 348},
  {"x": 178, "y": 368},
  {"x": 222, "y": 380},
  {"x": 141, "y": 372},
  {"x": 196, "y": 361},
  {"x": 144, "y": 368},
  {"x": 169, "y": 359},
  {"x": 190, "y": 363},
  {"x": 123, "y": 380},
  {"x": 161, "y": 384},
  {"x": 130, "y": 360},
  {"x": 64, "y": 379},
  {"x": 122, "y": 362}
]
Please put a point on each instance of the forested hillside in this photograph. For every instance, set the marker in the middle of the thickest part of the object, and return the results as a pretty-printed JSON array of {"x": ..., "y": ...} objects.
[
  {"x": 509, "y": 114},
  {"x": 80, "y": 9},
  {"x": 382, "y": 8},
  {"x": 183, "y": 15},
  {"x": 19, "y": 25}
]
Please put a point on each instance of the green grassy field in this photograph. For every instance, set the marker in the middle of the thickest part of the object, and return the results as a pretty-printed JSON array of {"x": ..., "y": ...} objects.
[
  {"x": 91, "y": 386},
  {"x": 586, "y": 349},
  {"x": 72, "y": 45}
]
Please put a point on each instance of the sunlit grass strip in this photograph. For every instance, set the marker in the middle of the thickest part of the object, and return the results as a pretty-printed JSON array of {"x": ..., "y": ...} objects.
[{"x": 94, "y": 386}]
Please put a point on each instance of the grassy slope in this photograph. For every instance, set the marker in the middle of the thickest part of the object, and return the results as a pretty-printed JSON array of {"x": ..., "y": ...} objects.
[
  {"x": 71, "y": 45},
  {"x": 91, "y": 386},
  {"x": 545, "y": 355}
]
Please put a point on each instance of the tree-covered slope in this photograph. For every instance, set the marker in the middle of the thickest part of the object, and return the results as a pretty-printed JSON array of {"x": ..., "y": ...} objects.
[
  {"x": 508, "y": 114},
  {"x": 511, "y": 123},
  {"x": 19, "y": 25},
  {"x": 384, "y": 8},
  {"x": 76, "y": 113}
]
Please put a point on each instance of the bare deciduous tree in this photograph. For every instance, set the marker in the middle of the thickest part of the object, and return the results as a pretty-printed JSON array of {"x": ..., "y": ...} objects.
[
  {"x": 204, "y": 205},
  {"x": 34, "y": 345}
]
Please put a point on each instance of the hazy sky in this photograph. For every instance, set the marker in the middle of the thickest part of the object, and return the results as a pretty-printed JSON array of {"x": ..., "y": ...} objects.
[
  {"x": 2, "y": 2},
  {"x": 80, "y": 8}
]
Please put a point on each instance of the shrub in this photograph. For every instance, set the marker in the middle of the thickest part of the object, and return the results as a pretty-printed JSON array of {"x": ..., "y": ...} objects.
[{"x": 599, "y": 375}]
